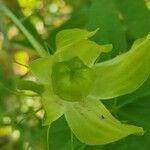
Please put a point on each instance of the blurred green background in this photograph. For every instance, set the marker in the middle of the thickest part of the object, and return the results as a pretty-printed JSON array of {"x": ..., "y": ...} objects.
[{"x": 120, "y": 23}]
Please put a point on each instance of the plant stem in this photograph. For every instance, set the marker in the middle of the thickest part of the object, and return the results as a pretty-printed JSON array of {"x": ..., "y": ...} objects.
[
  {"x": 48, "y": 129},
  {"x": 28, "y": 116},
  {"x": 72, "y": 144},
  {"x": 39, "y": 48}
]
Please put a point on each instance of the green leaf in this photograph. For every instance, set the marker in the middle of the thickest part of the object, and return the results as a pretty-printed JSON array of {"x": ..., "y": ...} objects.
[
  {"x": 87, "y": 51},
  {"x": 68, "y": 37},
  {"x": 5, "y": 131},
  {"x": 137, "y": 112},
  {"x": 53, "y": 107},
  {"x": 123, "y": 74},
  {"x": 31, "y": 39},
  {"x": 104, "y": 15},
  {"x": 59, "y": 136},
  {"x": 93, "y": 124},
  {"x": 136, "y": 17}
]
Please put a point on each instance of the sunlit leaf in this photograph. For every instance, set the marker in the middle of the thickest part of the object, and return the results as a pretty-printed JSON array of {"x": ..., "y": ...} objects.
[
  {"x": 136, "y": 16},
  {"x": 28, "y": 3},
  {"x": 5, "y": 131}
]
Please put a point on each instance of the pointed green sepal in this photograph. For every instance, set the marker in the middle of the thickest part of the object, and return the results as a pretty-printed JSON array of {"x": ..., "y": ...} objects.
[
  {"x": 68, "y": 37},
  {"x": 42, "y": 68},
  {"x": 53, "y": 107},
  {"x": 123, "y": 74},
  {"x": 93, "y": 124}
]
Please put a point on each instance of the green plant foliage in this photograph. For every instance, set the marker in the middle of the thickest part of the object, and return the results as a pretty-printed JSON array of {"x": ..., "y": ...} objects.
[
  {"x": 30, "y": 85},
  {"x": 63, "y": 34},
  {"x": 135, "y": 9},
  {"x": 103, "y": 15},
  {"x": 88, "y": 112},
  {"x": 118, "y": 20},
  {"x": 32, "y": 40}
]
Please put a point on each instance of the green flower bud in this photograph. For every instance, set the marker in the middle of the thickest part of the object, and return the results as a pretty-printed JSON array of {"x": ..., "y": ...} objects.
[{"x": 72, "y": 80}]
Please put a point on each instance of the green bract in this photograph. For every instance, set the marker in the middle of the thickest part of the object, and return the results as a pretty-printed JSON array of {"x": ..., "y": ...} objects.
[{"x": 74, "y": 83}]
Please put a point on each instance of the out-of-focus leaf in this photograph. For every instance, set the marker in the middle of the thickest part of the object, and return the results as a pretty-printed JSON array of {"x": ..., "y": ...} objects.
[
  {"x": 29, "y": 26},
  {"x": 78, "y": 19},
  {"x": 136, "y": 17},
  {"x": 21, "y": 44},
  {"x": 104, "y": 15},
  {"x": 28, "y": 3},
  {"x": 7, "y": 82},
  {"x": 59, "y": 137},
  {"x": 30, "y": 85},
  {"x": 5, "y": 131},
  {"x": 77, "y": 2},
  {"x": 137, "y": 112},
  {"x": 13, "y": 4}
]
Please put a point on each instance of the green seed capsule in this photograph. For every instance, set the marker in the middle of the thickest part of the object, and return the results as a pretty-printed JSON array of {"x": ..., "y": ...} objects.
[{"x": 72, "y": 80}]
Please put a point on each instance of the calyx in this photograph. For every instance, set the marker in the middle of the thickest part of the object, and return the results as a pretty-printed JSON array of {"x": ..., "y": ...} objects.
[{"x": 72, "y": 80}]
